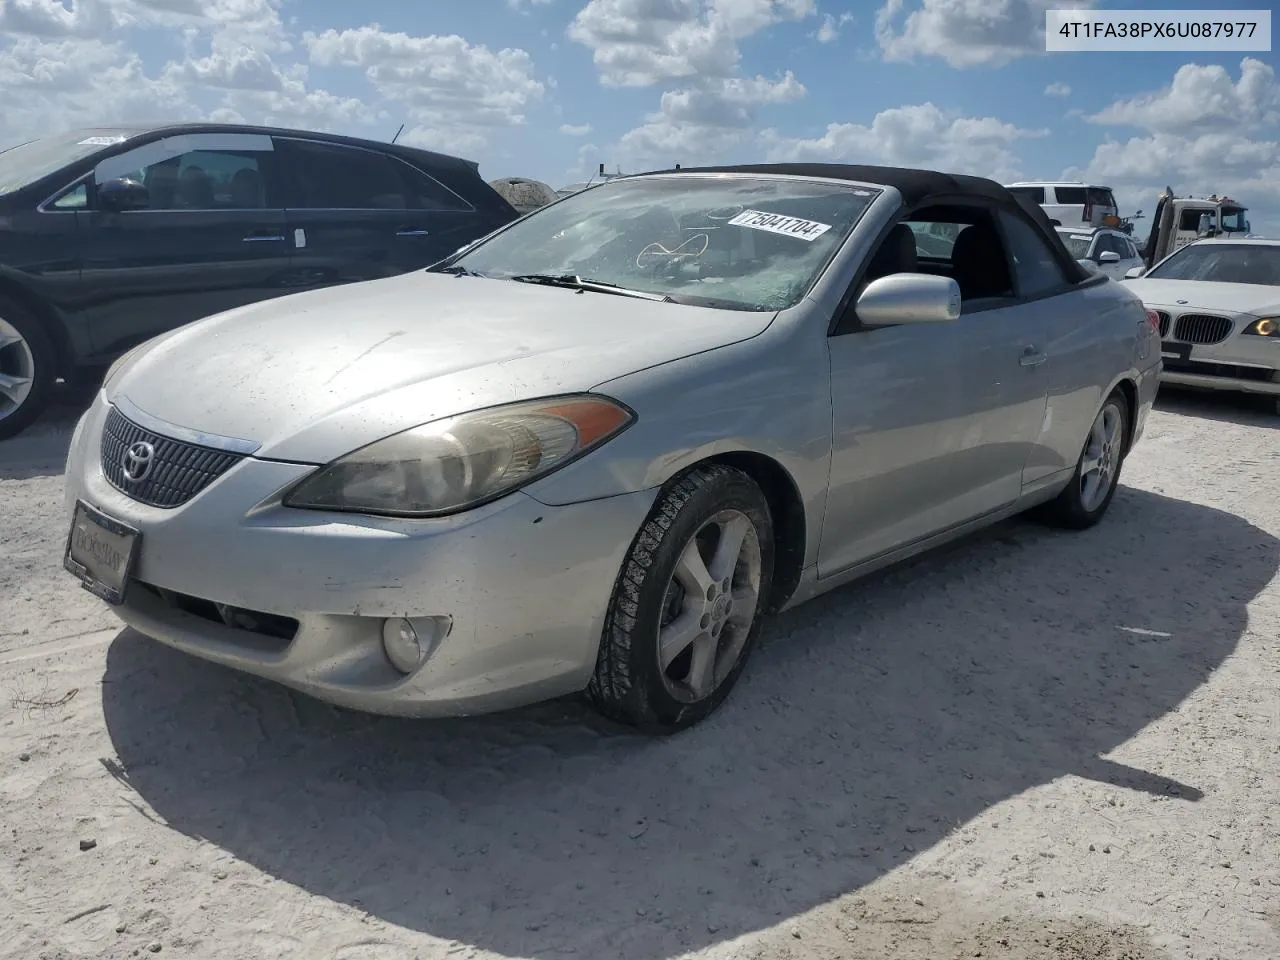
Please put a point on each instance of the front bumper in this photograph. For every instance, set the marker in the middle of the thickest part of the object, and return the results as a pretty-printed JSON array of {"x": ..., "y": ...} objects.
[
  {"x": 1243, "y": 363},
  {"x": 524, "y": 585}
]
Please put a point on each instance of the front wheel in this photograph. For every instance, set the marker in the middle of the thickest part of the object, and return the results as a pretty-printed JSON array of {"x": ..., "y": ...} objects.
[
  {"x": 1085, "y": 499},
  {"x": 687, "y": 606}
]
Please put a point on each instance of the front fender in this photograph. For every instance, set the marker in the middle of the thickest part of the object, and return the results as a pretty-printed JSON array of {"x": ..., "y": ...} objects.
[{"x": 769, "y": 396}]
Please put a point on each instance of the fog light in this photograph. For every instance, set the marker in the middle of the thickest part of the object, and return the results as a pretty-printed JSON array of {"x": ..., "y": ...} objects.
[
  {"x": 408, "y": 642},
  {"x": 400, "y": 640}
]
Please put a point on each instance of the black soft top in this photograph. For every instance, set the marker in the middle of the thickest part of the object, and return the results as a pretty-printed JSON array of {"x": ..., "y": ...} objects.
[{"x": 916, "y": 187}]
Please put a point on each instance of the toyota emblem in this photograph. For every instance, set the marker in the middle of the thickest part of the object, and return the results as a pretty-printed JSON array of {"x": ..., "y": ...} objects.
[{"x": 137, "y": 461}]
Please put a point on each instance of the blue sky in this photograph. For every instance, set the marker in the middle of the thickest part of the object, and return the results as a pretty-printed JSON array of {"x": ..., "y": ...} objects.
[{"x": 550, "y": 88}]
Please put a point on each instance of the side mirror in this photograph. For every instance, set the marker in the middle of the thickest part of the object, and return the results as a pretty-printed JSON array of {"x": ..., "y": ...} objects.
[
  {"x": 1090, "y": 266},
  {"x": 121, "y": 194},
  {"x": 1205, "y": 225},
  {"x": 908, "y": 298},
  {"x": 1108, "y": 256},
  {"x": 1134, "y": 273}
]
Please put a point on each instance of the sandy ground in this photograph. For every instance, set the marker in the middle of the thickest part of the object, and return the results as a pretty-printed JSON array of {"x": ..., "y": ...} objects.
[{"x": 1036, "y": 745}]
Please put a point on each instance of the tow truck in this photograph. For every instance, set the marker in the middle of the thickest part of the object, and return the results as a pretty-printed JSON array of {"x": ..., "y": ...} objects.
[{"x": 1179, "y": 221}]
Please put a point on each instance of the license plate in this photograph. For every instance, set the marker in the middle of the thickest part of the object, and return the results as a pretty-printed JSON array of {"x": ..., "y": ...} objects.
[
  {"x": 100, "y": 552},
  {"x": 1175, "y": 351}
]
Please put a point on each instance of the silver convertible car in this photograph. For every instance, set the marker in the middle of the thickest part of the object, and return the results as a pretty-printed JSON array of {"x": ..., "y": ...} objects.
[{"x": 591, "y": 450}]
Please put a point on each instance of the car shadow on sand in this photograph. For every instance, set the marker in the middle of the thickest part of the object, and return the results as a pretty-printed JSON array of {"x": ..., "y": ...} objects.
[{"x": 871, "y": 723}]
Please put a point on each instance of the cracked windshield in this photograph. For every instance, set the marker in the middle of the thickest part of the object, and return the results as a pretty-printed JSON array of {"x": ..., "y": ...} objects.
[{"x": 740, "y": 244}]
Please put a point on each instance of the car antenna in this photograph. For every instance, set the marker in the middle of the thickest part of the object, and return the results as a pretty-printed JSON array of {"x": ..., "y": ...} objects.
[{"x": 398, "y": 132}]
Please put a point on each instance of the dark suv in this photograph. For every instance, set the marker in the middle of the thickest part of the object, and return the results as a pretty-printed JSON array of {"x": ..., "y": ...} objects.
[{"x": 111, "y": 236}]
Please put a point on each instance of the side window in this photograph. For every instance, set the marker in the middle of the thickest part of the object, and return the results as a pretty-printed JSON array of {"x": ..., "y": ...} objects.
[
  {"x": 335, "y": 177},
  {"x": 1073, "y": 196},
  {"x": 962, "y": 242},
  {"x": 425, "y": 192},
  {"x": 1100, "y": 198},
  {"x": 1108, "y": 243},
  {"x": 77, "y": 198},
  {"x": 1036, "y": 270},
  {"x": 1190, "y": 219},
  {"x": 1035, "y": 194},
  {"x": 202, "y": 180}
]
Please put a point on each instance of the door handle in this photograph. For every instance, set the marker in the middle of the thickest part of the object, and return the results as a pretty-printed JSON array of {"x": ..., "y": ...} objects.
[
  {"x": 411, "y": 232},
  {"x": 1032, "y": 357},
  {"x": 260, "y": 237}
]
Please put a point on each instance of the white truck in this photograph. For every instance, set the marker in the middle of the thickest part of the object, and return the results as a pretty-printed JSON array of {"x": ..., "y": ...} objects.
[{"x": 1181, "y": 220}]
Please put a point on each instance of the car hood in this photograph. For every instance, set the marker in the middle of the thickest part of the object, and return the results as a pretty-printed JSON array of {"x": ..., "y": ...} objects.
[
  {"x": 1248, "y": 298},
  {"x": 315, "y": 375}
]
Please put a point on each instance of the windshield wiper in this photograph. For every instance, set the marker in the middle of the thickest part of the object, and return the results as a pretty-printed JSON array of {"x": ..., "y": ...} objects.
[
  {"x": 574, "y": 282},
  {"x": 459, "y": 271}
]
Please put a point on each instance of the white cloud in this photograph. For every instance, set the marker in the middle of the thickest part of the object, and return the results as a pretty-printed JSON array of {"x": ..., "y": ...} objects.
[
  {"x": 1058, "y": 89},
  {"x": 575, "y": 130},
  {"x": 1202, "y": 98},
  {"x": 524, "y": 5},
  {"x": 1204, "y": 133},
  {"x": 966, "y": 33},
  {"x": 921, "y": 135},
  {"x": 455, "y": 92},
  {"x": 693, "y": 45},
  {"x": 705, "y": 122},
  {"x": 64, "y": 79},
  {"x": 829, "y": 29},
  {"x": 75, "y": 64},
  {"x": 638, "y": 43}
]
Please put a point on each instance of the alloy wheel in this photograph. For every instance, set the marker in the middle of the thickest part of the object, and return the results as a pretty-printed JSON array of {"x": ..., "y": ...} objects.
[{"x": 710, "y": 606}]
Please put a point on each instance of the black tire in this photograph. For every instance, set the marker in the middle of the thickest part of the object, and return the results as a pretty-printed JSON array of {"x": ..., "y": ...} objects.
[
  {"x": 1070, "y": 509},
  {"x": 42, "y": 359},
  {"x": 630, "y": 685}
]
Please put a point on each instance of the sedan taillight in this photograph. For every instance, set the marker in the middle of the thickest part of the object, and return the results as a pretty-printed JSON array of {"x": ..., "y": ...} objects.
[{"x": 1153, "y": 318}]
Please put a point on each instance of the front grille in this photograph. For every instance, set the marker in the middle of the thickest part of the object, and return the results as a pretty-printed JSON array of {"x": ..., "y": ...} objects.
[
  {"x": 177, "y": 470},
  {"x": 1234, "y": 371},
  {"x": 1164, "y": 324},
  {"x": 270, "y": 632},
  {"x": 1201, "y": 328}
]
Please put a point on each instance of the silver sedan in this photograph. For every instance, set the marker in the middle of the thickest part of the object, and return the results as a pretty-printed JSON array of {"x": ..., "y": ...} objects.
[{"x": 592, "y": 450}]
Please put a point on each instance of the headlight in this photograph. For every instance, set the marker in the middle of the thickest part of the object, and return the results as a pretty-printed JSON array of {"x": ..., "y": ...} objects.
[
  {"x": 1266, "y": 327},
  {"x": 461, "y": 462}
]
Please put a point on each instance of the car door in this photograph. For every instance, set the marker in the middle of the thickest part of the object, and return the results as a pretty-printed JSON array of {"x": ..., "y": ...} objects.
[
  {"x": 1073, "y": 322},
  {"x": 932, "y": 423},
  {"x": 356, "y": 213},
  {"x": 205, "y": 235}
]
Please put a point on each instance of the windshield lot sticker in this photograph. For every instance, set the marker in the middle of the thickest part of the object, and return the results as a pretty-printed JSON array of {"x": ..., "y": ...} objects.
[
  {"x": 808, "y": 230},
  {"x": 101, "y": 141}
]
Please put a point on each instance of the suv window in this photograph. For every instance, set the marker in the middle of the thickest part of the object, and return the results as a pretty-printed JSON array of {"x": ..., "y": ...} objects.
[
  {"x": 334, "y": 177},
  {"x": 1070, "y": 195},
  {"x": 425, "y": 192},
  {"x": 1099, "y": 197},
  {"x": 201, "y": 180},
  {"x": 1036, "y": 194},
  {"x": 1035, "y": 268}
]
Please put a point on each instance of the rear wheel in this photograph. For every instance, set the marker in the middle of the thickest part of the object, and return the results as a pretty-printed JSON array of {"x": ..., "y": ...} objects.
[
  {"x": 687, "y": 606},
  {"x": 26, "y": 368},
  {"x": 1085, "y": 499}
]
